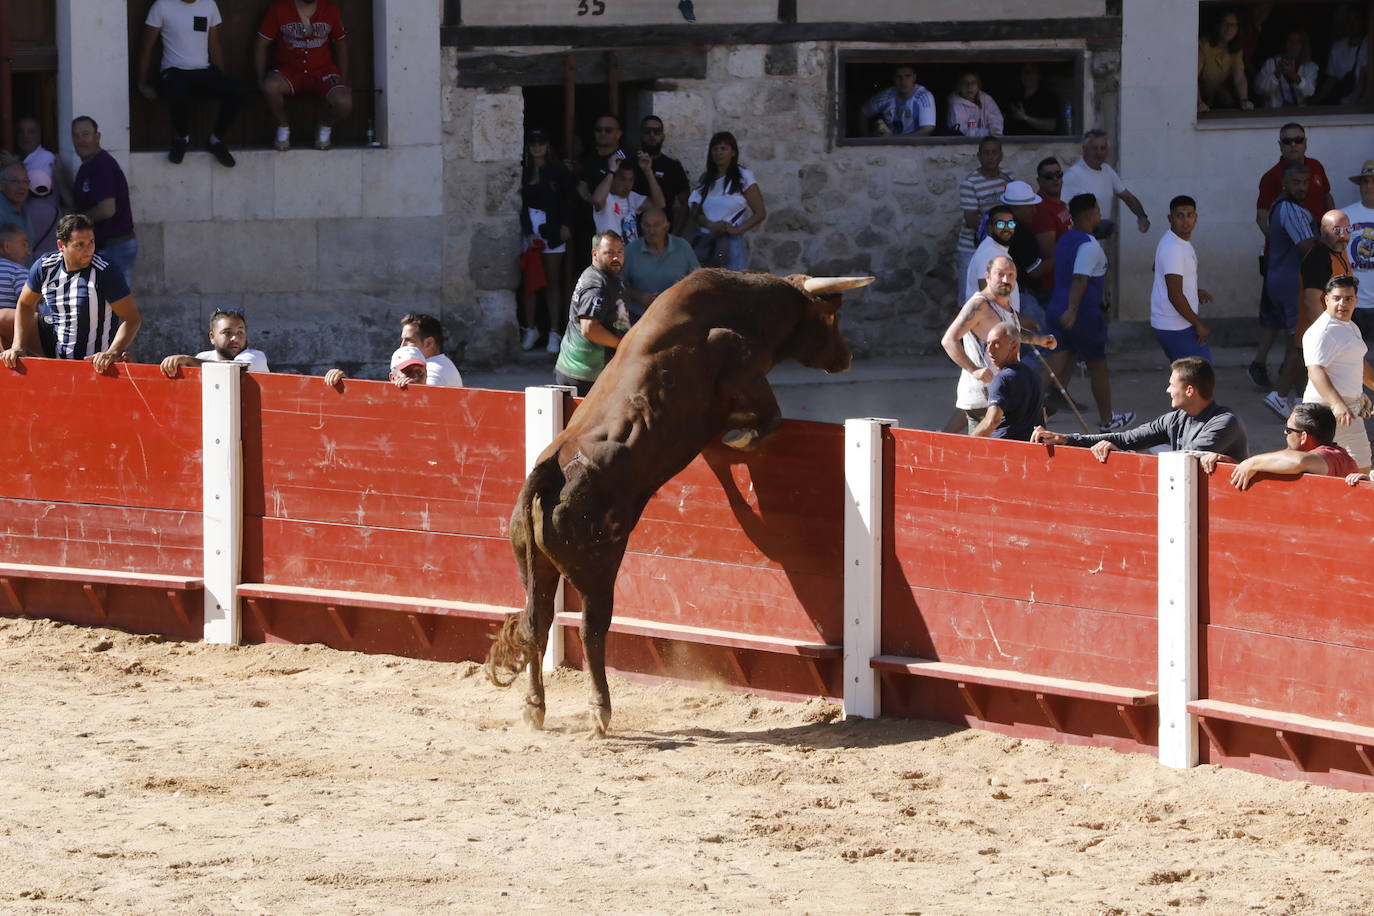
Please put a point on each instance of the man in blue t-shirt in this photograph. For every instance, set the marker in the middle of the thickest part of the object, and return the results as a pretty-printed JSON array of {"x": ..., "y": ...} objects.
[
  {"x": 88, "y": 312},
  {"x": 1016, "y": 397}
]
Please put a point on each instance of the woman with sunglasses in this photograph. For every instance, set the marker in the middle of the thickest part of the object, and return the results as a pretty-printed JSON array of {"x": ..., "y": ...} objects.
[
  {"x": 546, "y": 188},
  {"x": 725, "y": 204}
]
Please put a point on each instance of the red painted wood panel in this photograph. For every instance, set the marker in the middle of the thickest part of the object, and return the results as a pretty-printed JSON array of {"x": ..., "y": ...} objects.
[
  {"x": 135, "y": 610},
  {"x": 1291, "y": 558},
  {"x": 1033, "y": 638},
  {"x": 446, "y": 639},
  {"x": 427, "y": 459},
  {"x": 780, "y": 507},
  {"x": 100, "y": 537},
  {"x": 1290, "y": 675},
  {"x": 418, "y": 564},
  {"x": 1021, "y": 521},
  {"x": 128, "y": 437}
]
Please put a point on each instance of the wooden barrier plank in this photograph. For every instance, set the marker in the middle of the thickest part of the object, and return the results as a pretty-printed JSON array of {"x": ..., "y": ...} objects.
[
  {"x": 769, "y": 602},
  {"x": 1297, "y": 676},
  {"x": 1015, "y": 680},
  {"x": 1034, "y": 638},
  {"x": 430, "y": 459},
  {"x": 706, "y": 636},
  {"x": 338, "y": 598},
  {"x": 1269, "y": 547},
  {"x": 102, "y": 537},
  {"x": 428, "y": 564},
  {"x": 1024, "y": 522},
  {"x": 139, "y": 447}
]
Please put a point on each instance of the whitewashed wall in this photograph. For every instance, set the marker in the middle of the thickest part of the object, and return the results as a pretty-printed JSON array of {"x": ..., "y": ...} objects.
[{"x": 1164, "y": 151}]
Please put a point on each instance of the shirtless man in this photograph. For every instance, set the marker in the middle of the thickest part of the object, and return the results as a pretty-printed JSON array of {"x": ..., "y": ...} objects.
[{"x": 965, "y": 339}]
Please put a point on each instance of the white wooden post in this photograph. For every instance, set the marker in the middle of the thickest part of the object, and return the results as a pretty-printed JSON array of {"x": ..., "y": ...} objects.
[
  {"x": 863, "y": 548},
  {"x": 543, "y": 423},
  {"x": 222, "y": 498},
  {"x": 1178, "y": 603}
]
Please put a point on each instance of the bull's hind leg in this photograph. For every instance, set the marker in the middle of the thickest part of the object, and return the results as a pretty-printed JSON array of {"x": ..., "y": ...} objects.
[
  {"x": 596, "y": 623},
  {"x": 541, "y": 587}
]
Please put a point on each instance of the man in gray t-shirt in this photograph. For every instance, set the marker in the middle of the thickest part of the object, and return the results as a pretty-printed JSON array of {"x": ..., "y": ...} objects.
[{"x": 1196, "y": 424}]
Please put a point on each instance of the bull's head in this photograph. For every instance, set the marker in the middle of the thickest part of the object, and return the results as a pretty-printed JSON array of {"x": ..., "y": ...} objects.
[{"x": 817, "y": 341}]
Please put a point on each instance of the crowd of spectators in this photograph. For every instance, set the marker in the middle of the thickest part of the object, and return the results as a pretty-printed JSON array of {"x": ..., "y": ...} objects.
[
  {"x": 1290, "y": 55},
  {"x": 1029, "y": 106}
]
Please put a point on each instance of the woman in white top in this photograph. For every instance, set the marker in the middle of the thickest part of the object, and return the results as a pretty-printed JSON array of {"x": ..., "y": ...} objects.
[
  {"x": 726, "y": 204},
  {"x": 1289, "y": 78}
]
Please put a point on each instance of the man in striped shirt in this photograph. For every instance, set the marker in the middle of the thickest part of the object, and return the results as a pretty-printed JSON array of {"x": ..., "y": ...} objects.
[
  {"x": 88, "y": 310},
  {"x": 14, "y": 253},
  {"x": 979, "y": 191}
]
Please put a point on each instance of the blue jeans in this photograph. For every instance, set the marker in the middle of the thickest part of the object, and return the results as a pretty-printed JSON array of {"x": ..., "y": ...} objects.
[
  {"x": 1178, "y": 344},
  {"x": 123, "y": 256}
]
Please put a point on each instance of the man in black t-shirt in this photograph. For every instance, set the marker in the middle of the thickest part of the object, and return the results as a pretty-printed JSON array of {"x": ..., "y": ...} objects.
[
  {"x": 672, "y": 179},
  {"x": 1328, "y": 258},
  {"x": 1016, "y": 397}
]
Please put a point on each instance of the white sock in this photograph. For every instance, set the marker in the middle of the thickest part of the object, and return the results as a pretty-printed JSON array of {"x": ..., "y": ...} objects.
[
  {"x": 325, "y": 132},
  {"x": 283, "y": 133}
]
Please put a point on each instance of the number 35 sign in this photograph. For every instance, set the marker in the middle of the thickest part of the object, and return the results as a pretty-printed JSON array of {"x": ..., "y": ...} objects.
[{"x": 614, "y": 12}]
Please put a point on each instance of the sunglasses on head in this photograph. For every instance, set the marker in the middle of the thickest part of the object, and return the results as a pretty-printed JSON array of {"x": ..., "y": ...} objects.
[
  {"x": 1004, "y": 223},
  {"x": 1292, "y": 141}
]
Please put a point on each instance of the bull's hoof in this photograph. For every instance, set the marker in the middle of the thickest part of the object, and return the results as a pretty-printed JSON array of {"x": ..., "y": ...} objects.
[
  {"x": 534, "y": 717},
  {"x": 740, "y": 438},
  {"x": 601, "y": 721}
]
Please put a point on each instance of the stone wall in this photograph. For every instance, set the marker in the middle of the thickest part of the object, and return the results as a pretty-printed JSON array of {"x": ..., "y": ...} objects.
[{"x": 887, "y": 210}]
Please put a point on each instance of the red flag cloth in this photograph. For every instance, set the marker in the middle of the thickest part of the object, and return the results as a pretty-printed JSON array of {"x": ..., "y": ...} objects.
[{"x": 532, "y": 267}]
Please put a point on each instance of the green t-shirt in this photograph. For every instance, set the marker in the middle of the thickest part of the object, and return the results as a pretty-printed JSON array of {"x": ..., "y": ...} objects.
[{"x": 598, "y": 296}]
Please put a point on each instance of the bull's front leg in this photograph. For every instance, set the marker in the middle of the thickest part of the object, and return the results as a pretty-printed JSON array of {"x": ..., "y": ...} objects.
[{"x": 753, "y": 414}]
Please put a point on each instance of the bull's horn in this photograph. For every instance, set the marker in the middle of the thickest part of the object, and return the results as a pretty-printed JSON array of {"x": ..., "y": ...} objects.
[{"x": 829, "y": 286}]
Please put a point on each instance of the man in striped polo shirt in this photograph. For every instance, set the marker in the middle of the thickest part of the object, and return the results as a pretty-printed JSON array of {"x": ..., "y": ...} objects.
[{"x": 88, "y": 312}]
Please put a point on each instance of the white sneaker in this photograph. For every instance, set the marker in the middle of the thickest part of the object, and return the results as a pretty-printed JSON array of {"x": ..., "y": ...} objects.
[
  {"x": 528, "y": 338},
  {"x": 282, "y": 143},
  {"x": 1119, "y": 422},
  {"x": 322, "y": 137},
  {"x": 1279, "y": 405},
  {"x": 555, "y": 343}
]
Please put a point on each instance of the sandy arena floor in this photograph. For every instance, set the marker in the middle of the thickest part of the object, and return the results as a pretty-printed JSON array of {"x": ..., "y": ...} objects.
[{"x": 153, "y": 777}]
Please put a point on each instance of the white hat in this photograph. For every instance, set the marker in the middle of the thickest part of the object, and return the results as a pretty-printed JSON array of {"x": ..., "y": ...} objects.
[
  {"x": 1019, "y": 194},
  {"x": 405, "y": 357},
  {"x": 40, "y": 182}
]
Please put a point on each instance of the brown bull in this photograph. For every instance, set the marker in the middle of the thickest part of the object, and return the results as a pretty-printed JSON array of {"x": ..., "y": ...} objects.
[{"x": 695, "y": 366}]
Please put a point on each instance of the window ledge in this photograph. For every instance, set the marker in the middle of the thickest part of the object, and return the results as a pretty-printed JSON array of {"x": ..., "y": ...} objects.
[{"x": 1309, "y": 119}]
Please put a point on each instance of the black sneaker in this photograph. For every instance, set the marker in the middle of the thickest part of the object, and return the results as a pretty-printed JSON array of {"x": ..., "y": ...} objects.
[
  {"x": 1259, "y": 376},
  {"x": 221, "y": 152},
  {"x": 178, "y": 150}
]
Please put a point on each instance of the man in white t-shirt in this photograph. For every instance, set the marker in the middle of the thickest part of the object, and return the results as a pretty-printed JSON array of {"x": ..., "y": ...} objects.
[
  {"x": 426, "y": 333},
  {"x": 1337, "y": 373},
  {"x": 1175, "y": 296},
  {"x": 1092, "y": 175},
  {"x": 616, "y": 205},
  {"x": 229, "y": 344},
  {"x": 1361, "y": 250},
  {"x": 1001, "y": 227},
  {"x": 191, "y": 68}
]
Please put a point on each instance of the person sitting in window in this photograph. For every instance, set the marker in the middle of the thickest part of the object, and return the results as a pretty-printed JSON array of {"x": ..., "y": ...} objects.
[
  {"x": 904, "y": 108},
  {"x": 1036, "y": 111},
  {"x": 1221, "y": 79},
  {"x": 1289, "y": 78},
  {"x": 973, "y": 112},
  {"x": 1348, "y": 61}
]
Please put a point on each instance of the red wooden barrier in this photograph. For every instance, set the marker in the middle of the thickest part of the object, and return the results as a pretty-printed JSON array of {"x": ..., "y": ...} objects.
[
  {"x": 104, "y": 475},
  {"x": 1287, "y": 610},
  {"x": 373, "y": 489},
  {"x": 1025, "y": 559}
]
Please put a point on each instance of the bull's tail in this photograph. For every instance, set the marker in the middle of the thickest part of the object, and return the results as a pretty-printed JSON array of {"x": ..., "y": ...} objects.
[{"x": 515, "y": 646}]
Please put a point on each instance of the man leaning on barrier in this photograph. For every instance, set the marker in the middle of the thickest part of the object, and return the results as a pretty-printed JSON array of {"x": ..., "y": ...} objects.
[
  {"x": 1197, "y": 423},
  {"x": 228, "y": 344},
  {"x": 88, "y": 311},
  {"x": 1308, "y": 449}
]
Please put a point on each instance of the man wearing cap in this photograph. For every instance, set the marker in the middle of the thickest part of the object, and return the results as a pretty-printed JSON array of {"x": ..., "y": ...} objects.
[
  {"x": 43, "y": 210},
  {"x": 1361, "y": 248},
  {"x": 14, "y": 192},
  {"x": 228, "y": 344},
  {"x": 1092, "y": 175},
  {"x": 1025, "y": 251},
  {"x": 408, "y": 367}
]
